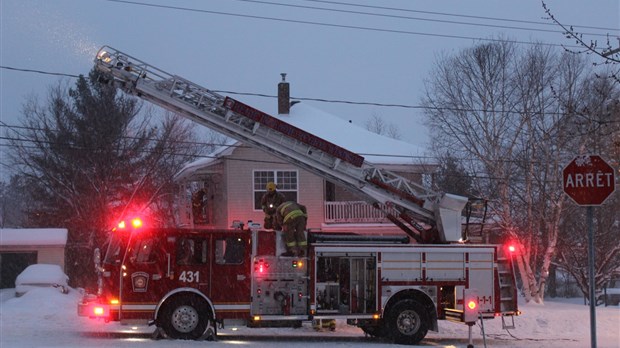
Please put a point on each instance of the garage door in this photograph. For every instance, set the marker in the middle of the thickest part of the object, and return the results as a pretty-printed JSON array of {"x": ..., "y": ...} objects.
[{"x": 12, "y": 264}]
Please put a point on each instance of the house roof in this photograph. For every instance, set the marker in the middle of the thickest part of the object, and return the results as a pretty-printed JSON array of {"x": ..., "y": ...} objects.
[
  {"x": 376, "y": 149},
  {"x": 195, "y": 167},
  {"x": 33, "y": 236}
]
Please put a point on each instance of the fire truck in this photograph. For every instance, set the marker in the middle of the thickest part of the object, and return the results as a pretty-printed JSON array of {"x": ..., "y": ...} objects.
[{"x": 190, "y": 282}]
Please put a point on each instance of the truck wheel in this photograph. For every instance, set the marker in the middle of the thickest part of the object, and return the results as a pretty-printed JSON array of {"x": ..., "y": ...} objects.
[
  {"x": 408, "y": 322},
  {"x": 185, "y": 318}
]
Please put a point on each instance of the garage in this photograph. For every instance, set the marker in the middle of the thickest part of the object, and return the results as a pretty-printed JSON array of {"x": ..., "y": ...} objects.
[{"x": 21, "y": 247}]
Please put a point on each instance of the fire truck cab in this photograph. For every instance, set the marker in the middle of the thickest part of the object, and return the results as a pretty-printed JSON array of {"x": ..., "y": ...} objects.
[{"x": 188, "y": 282}]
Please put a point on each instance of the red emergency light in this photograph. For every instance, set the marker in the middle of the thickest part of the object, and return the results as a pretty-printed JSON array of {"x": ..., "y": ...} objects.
[
  {"x": 511, "y": 247},
  {"x": 98, "y": 311},
  {"x": 135, "y": 223},
  {"x": 261, "y": 267}
]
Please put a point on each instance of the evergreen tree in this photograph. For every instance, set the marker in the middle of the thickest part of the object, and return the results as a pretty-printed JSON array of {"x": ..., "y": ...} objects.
[{"x": 90, "y": 156}]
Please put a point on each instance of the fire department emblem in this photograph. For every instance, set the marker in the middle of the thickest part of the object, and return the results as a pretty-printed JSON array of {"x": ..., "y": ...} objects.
[{"x": 140, "y": 281}]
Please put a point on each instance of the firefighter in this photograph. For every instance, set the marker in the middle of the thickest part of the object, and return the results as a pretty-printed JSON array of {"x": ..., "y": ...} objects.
[
  {"x": 269, "y": 202},
  {"x": 185, "y": 252},
  {"x": 292, "y": 217},
  {"x": 199, "y": 201}
]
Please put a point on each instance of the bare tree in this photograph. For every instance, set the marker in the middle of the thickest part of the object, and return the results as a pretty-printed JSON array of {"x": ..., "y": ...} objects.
[
  {"x": 597, "y": 129},
  {"x": 596, "y": 124},
  {"x": 90, "y": 156},
  {"x": 497, "y": 105},
  {"x": 606, "y": 52},
  {"x": 377, "y": 124}
]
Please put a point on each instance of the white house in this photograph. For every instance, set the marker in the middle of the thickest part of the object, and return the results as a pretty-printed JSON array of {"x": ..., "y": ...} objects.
[{"x": 235, "y": 175}]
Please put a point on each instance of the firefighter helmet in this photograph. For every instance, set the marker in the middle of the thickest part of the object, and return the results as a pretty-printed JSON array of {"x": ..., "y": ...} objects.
[{"x": 271, "y": 186}]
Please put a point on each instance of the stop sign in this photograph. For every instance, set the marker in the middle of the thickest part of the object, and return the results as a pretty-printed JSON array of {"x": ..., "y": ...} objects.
[{"x": 588, "y": 180}]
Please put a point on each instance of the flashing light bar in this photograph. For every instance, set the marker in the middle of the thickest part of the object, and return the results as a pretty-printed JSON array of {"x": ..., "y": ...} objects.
[{"x": 135, "y": 223}]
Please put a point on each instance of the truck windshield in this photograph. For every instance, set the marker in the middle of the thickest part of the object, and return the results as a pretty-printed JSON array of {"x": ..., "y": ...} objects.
[
  {"x": 142, "y": 250},
  {"x": 113, "y": 254}
]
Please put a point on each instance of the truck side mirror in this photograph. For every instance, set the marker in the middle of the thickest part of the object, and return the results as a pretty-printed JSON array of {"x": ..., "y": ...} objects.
[{"x": 97, "y": 258}]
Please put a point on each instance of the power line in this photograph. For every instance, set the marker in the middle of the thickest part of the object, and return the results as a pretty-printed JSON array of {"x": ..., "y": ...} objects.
[
  {"x": 455, "y": 15},
  {"x": 38, "y": 71},
  {"x": 24, "y": 139},
  {"x": 339, "y": 101},
  {"x": 414, "y": 18},
  {"x": 342, "y": 26}
]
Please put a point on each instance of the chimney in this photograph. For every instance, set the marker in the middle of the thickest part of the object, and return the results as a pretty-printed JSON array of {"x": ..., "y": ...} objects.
[{"x": 284, "y": 104}]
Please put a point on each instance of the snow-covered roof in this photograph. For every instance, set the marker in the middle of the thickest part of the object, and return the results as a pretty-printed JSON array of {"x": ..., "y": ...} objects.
[
  {"x": 33, "y": 236},
  {"x": 194, "y": 167},
  {"x": 376, "y": 149}
]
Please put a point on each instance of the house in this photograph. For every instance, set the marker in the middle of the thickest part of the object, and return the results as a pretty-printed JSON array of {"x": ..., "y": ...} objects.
[
  {"x": 22, "y": 247},
  {"x": 233, "y": 178}
]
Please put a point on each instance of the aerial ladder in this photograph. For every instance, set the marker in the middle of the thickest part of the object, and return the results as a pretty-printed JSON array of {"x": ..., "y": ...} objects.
[{"x": 425, "y": 215}]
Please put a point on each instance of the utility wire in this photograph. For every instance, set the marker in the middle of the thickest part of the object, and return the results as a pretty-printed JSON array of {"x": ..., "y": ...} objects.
[
  {"x": 413, "y": 18},
  {"x": 406, "y": 32},
  {"x": 250, "y": 160},
  {"x": 338, "y": 101},
  {"x": 455, "y": 15},
  {"x": 68, "y": 145},
  {"x": 38, "y": 71},
  {"x": 246, "y": 93},
  {"x": 24, "y": 139}
]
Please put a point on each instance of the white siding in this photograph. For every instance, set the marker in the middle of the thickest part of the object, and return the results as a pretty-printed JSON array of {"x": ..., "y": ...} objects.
[{"x": 239, "y": 191}]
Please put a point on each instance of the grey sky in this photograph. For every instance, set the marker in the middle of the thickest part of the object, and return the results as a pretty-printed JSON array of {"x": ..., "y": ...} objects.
[{"x": 243, "y": 46}]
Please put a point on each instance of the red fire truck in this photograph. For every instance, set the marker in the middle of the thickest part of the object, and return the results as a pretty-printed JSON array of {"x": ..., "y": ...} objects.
[{"x": 188, "y": 282}]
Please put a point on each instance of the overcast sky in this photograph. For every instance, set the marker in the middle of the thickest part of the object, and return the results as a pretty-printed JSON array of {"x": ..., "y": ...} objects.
[{"x": 329, "y": 49}]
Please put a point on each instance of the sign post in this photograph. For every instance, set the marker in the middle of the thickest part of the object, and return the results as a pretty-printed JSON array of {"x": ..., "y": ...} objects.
[{"x": 589, "y": 181}]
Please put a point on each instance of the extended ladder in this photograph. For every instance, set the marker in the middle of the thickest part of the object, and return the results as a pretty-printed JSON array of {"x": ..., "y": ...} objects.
[{"x": 417, "y": 205}]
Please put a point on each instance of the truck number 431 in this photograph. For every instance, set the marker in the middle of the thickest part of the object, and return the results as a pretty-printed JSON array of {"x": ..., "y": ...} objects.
[{"x": 189, "y": 277}]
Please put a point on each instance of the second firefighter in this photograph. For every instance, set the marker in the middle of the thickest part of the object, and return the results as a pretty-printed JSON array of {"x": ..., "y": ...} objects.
[{"x": 292, "y": 217}]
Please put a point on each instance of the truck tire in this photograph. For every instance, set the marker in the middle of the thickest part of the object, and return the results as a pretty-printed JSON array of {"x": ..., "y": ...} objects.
[
  {"x": 407, "y": 322},
  {"x": 185, "y": 318}
]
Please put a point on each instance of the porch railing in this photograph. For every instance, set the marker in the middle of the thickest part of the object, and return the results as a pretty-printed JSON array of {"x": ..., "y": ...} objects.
[{"x": 353, "y": 212}]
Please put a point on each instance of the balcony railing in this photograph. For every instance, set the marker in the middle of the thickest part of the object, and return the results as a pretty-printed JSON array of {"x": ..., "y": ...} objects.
[{"x": 354, "y": 212}]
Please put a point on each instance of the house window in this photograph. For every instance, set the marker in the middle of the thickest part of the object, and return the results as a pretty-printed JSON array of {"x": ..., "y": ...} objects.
[{"x": 285, "y": 179}]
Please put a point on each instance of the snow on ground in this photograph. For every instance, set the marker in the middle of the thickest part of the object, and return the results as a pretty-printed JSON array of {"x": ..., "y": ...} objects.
[{"x": 44, "y": 317}]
